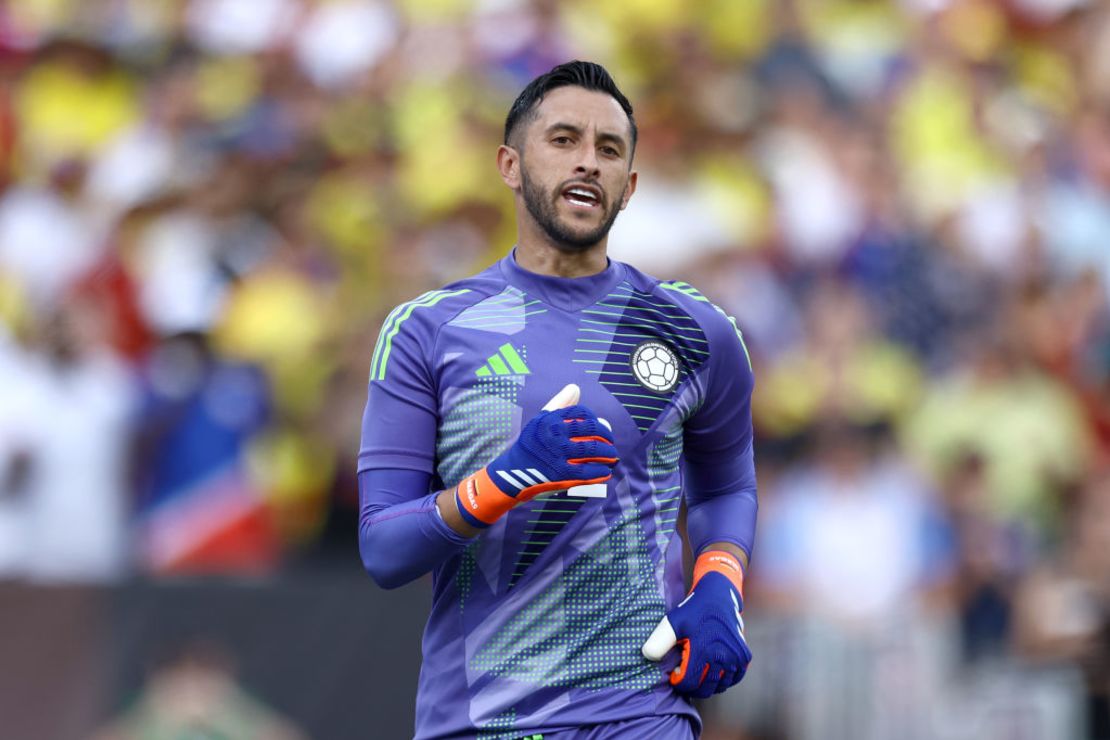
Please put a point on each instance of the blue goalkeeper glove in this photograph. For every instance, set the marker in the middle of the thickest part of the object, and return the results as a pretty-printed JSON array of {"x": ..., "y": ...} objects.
[
  {"x": 708, "y": 626},
  {"x": 559, "y": 449}
]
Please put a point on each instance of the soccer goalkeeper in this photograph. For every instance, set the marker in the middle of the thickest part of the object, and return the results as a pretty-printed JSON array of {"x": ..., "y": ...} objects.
[{"x": 529, "y": 437}]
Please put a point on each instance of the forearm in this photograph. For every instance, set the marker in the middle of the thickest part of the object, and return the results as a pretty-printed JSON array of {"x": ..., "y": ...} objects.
[
  {"x": 722, "y": 505},
  {"x": 402, "y": 536},
  {"x": 723, "y": 522}
]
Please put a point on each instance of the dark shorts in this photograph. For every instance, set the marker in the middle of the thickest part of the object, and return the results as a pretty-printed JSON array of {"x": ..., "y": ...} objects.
[{"x": 663, "y": 727}]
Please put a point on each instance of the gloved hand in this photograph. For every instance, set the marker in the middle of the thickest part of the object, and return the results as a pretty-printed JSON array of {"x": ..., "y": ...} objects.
[
  {"x": 558, "y": 449},
  {"x": 708, "y": 626}
]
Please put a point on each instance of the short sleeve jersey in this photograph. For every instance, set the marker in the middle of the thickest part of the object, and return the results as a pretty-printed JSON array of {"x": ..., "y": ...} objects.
[{"x": 538, "y": 623}]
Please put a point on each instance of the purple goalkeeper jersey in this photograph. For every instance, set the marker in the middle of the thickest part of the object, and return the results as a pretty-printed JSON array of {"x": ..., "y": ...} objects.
[{"x": 537, "y": 623}]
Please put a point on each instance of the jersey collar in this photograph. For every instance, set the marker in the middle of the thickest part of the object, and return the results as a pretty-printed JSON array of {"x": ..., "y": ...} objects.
[{"x": 568, "y": 294}]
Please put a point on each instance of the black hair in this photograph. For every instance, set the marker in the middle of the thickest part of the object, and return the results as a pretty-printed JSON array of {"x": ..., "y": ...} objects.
[{"x": 587, "y": 75}]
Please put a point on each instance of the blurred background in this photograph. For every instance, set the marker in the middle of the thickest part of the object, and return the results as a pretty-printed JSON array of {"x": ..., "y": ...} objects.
[{"x": 207, "y": 207}]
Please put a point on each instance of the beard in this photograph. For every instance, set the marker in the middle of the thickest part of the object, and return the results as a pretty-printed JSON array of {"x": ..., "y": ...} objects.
[{"x": 543, "y": 210}]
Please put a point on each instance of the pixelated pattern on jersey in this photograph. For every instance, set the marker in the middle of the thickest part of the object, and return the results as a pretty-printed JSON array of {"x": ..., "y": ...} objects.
[
  {"x": 615, "y": 326},
  {"x": 666, "y": 485},
  {"x": 477, "y": 428},
  {"x": 504, "y": 313},
  {"x": 585, "y": 630},
  {"x": 544, "y": 523},
  {"x": 464, "y": 578},
  {"x": 495, "y": 728},
  {"x": 511, "y": 734}
]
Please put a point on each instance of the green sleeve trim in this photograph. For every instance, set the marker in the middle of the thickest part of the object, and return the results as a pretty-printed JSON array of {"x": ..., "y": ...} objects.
[
  {"x": 739, "y": 335},
  {"x": 685, "y": 288},
  {"x": 689, "y": 290},
  {"x": 392, "y": 326}
]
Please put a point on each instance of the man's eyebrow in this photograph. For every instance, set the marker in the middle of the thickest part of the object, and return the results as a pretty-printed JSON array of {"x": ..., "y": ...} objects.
[
  {"x": 577, "y": 131},
  {"x": 560, "y": 126}
]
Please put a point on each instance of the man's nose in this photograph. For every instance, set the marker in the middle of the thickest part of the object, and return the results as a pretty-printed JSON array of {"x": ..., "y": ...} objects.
[{"x": 588, "y": 165}]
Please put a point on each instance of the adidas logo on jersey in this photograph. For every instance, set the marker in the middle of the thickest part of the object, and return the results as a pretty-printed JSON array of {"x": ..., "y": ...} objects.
[{"x": 507, "y": 361}]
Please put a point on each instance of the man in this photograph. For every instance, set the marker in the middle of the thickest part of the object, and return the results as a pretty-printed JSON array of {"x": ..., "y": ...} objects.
[{"x": 551, "y": 519}]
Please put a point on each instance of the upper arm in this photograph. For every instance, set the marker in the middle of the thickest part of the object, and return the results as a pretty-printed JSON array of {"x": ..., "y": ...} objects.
[
  {"x": 719, "y": 464},
  {"x": 721, "y": 428},
  {"x": 400, "y": 420}
]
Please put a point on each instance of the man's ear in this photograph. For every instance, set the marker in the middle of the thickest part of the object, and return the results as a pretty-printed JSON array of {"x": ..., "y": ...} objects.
[
  {"x": 508, "y": 164},
  {"x": 632, "y": 178}
]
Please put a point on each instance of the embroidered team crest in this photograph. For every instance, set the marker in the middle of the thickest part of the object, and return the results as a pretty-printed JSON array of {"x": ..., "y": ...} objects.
[{"x": 655, "y": 365}]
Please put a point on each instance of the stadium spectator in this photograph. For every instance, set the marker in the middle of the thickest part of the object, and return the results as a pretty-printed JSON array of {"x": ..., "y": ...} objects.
[{"x": 905, "y": 204}]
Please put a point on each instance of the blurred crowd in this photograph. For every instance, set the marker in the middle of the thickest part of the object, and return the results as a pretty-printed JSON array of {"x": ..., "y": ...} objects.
[{"x": 208, "y": 206}]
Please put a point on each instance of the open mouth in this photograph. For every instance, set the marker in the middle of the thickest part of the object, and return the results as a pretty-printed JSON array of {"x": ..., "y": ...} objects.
[{"x": 581, "y": 196}]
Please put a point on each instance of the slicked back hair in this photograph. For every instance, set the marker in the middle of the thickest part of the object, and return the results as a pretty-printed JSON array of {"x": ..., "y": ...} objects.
[{"x": 586, "y": 75}]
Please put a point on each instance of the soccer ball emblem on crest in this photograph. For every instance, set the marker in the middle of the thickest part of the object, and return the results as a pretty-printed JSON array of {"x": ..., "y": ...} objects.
[{"x": 655, "y": 365}]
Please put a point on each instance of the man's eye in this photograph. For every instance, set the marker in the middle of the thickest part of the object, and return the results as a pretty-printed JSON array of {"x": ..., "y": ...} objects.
[
  {"x": 561, "y": 140},
  {"x": 610, "y": 151}
]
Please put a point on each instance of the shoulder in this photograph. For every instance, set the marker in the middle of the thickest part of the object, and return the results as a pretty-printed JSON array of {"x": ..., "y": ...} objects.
[
  {"x": 685, "y": 297},
  {"x": 414, "y": 324},
  {"x": 432, "y": 308},
  {"x": 719, "y": 328},
  {"x": 675, "y": 292}
]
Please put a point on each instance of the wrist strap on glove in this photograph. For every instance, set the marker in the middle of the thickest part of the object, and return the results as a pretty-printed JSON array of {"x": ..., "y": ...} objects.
[
  {"x": 719, "y": 561},
  {"x": 480, "y": 501}
]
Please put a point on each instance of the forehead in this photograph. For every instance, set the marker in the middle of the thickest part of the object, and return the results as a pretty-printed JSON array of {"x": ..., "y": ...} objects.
[{"x": 584, "y": 109}]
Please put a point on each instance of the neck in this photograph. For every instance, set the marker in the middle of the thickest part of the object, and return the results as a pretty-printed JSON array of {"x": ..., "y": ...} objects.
[{"x": 535, "y": 253}]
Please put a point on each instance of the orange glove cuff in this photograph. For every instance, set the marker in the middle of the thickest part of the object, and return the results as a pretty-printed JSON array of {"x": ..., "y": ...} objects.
[
  {"x": 480, "y": 498},
  {"x": 720, "y": 561}
]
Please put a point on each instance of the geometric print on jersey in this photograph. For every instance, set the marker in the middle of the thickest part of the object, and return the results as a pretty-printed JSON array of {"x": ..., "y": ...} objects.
[
  {"x": 555, "y": 510},
  {"x": 609, "y": 332},
  {"x": 504, "y": 313},
  {"x": 468, "y": 567},
  {"x": 477, "y": 429},
  {"x": 666, "y": 485},
  {"x": 504, "y": 721},
  {"x": 586, "y": 629}
]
